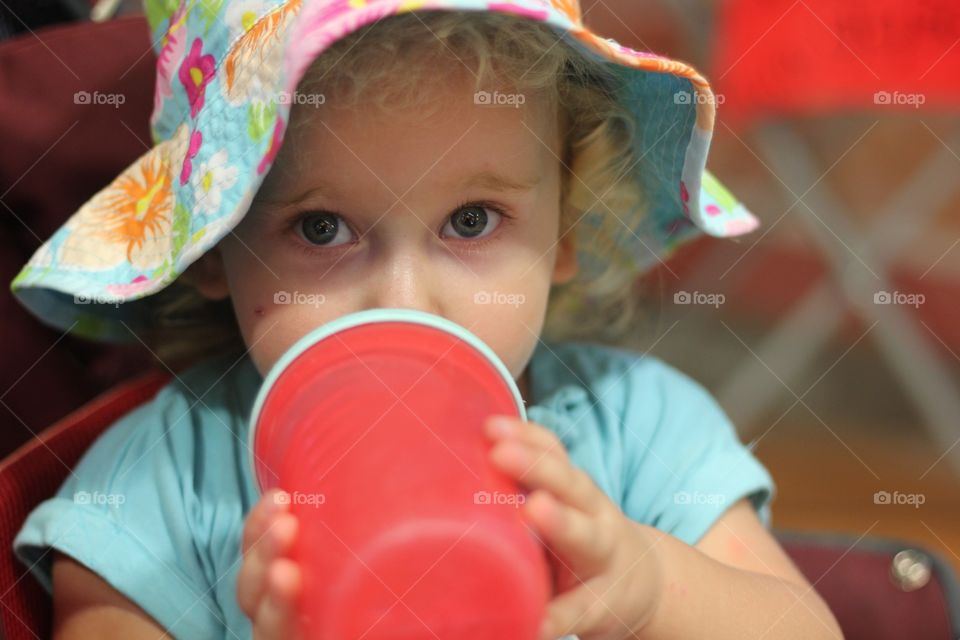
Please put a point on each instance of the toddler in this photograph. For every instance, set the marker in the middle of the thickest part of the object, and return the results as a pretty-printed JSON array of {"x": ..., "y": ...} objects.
[{"x": 494, "y": 163}]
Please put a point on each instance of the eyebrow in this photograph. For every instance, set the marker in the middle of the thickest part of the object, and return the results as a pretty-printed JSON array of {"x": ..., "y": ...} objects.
[
  {"x": 496, "y": 182},
  {"x": 484, "y": 180}
]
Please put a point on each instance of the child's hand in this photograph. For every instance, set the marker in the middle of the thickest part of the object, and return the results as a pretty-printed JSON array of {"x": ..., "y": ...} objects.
[
  {"x": 268, "y": 582},
  {"x": 606, "y": 570}
]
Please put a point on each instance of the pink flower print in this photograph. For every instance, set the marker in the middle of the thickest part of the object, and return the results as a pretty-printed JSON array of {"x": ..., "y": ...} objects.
[
  {"x": 171, "y": 55},
  {"x": 684, "y": 197},
  {"x": 195, "y": 73},
  {"x": 274, "y": 147},
  {"x": 196, "y": 139},
  {"x": 713, "y": 210},
  {"x": 140, "y": 283},
  {"x": 740, "y": 226}
]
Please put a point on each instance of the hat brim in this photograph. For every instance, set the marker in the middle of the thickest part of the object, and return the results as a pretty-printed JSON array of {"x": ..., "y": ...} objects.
[{"x": 140, "y": 232}]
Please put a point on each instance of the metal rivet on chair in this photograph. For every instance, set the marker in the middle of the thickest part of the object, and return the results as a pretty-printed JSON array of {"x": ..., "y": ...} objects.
[{"x": 910, "y": 570}]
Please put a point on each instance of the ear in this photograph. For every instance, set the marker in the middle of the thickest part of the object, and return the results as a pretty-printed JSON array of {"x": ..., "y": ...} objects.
[
  {"x": 565, "y": 267},
  {"x": 207, "y": 275}
]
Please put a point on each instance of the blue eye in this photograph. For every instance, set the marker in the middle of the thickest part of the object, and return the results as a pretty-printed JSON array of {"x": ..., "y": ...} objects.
[
  {"x": 471, "y": 221},
  {"x": 324, "y": 229}
]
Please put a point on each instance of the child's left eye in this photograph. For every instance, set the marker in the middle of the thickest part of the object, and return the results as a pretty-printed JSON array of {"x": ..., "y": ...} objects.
[{"x": 472, "y": 221}]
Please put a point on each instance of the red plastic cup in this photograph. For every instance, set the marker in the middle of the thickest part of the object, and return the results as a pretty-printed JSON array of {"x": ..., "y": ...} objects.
[{"x": 374, "y": 424}]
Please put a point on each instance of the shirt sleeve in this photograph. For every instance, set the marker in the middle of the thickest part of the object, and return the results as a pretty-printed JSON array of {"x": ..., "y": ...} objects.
[
  {"x": 128, "y": 513},
  {"x": 684, "y": 464}
]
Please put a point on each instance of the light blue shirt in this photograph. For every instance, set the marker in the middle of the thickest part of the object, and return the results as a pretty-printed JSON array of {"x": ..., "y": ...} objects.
[{"x": 156, "y": 505}]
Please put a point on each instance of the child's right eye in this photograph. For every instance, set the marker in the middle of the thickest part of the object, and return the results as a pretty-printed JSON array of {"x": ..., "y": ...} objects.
[{"x": 324, "y": 229}]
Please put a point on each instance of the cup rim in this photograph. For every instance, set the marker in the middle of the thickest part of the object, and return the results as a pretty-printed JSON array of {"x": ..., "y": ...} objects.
[{"x": 358, "y": 318}]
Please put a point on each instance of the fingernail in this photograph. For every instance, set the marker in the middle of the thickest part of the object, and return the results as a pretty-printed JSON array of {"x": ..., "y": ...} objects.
[
  {"x": 277, "y": 502},
  {"x": 545, "y": 629},
  {"x": 500, "y": 427},
  {"x": 277, "y": 534},
  {"x": 512, "y": 455}
]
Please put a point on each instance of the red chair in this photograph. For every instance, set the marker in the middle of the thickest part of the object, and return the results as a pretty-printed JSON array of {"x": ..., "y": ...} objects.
[
  {"x": 853, "y": 575},
  {"x": 55, "y": 158},
  {"x": 879, "y": 589},
  {"x": 32, "y": 474}
]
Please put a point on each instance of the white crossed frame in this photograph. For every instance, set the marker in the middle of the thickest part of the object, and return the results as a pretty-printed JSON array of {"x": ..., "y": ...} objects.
[{"x": 859, "y": 262}]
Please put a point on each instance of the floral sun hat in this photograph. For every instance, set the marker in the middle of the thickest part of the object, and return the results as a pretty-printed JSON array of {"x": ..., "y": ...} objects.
[{"x": 223, "y": 67}]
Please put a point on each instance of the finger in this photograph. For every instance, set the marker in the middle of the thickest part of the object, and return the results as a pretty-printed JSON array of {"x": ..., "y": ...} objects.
[
  {"x": 275, "y": 542},
  {"x": 273, "y": 501},
  {"x": 578, "y": 612},
  {"x": 546, "y": 470},
  {"x": 276, "y": 615},
  {"x": 252, "y": 576},
  {"x": 537, "y": 435},
  {"x": 582, "y": 542}
]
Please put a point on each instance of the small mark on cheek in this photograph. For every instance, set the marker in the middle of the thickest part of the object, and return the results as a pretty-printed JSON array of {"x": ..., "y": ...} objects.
[{"x": 258, "y": 310}]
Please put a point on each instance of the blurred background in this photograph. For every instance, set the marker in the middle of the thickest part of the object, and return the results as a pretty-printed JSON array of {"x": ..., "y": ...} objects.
[{"x": 831, "y": 336}]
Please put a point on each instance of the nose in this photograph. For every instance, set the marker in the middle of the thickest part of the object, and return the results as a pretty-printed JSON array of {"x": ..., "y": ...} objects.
[{"x": 405, "y": 280}]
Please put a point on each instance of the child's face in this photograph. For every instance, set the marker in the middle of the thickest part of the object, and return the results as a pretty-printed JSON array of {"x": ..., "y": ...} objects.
[{"x": 360, "y": 212}]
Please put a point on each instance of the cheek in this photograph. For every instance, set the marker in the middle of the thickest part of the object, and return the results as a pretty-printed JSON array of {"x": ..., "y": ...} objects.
[
  {"x": 270, "y": 329},
  {"x": 270, "y": 337},
  {"x": 512, "y": 341},
  {"x": 512, "y": 322},
  {"x": 252, "y": 294}
]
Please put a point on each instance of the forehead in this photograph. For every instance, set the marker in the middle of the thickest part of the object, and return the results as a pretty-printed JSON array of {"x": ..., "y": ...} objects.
[{"x": 459, "y": 138}]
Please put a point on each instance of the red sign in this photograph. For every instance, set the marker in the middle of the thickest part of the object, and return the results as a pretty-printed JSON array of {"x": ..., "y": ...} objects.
[{"x": 794, "y": 57}]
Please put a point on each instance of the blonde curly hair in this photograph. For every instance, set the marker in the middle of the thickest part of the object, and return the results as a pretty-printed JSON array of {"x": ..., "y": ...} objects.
[{"x": 393, "y": 63}]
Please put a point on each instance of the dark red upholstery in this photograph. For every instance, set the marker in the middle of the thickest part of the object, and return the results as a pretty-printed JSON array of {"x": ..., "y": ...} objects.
[
  {"x": 853, "y": 576},
  {"x": 35, "y": 472},
  {"x": 55, "y": 155}
]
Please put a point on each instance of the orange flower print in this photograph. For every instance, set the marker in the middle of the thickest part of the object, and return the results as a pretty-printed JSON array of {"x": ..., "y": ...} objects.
[
  {"x": 255, "y": 59},
  {"x": 570, "y": 7},
  {"x": 128, "y": 221}
]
